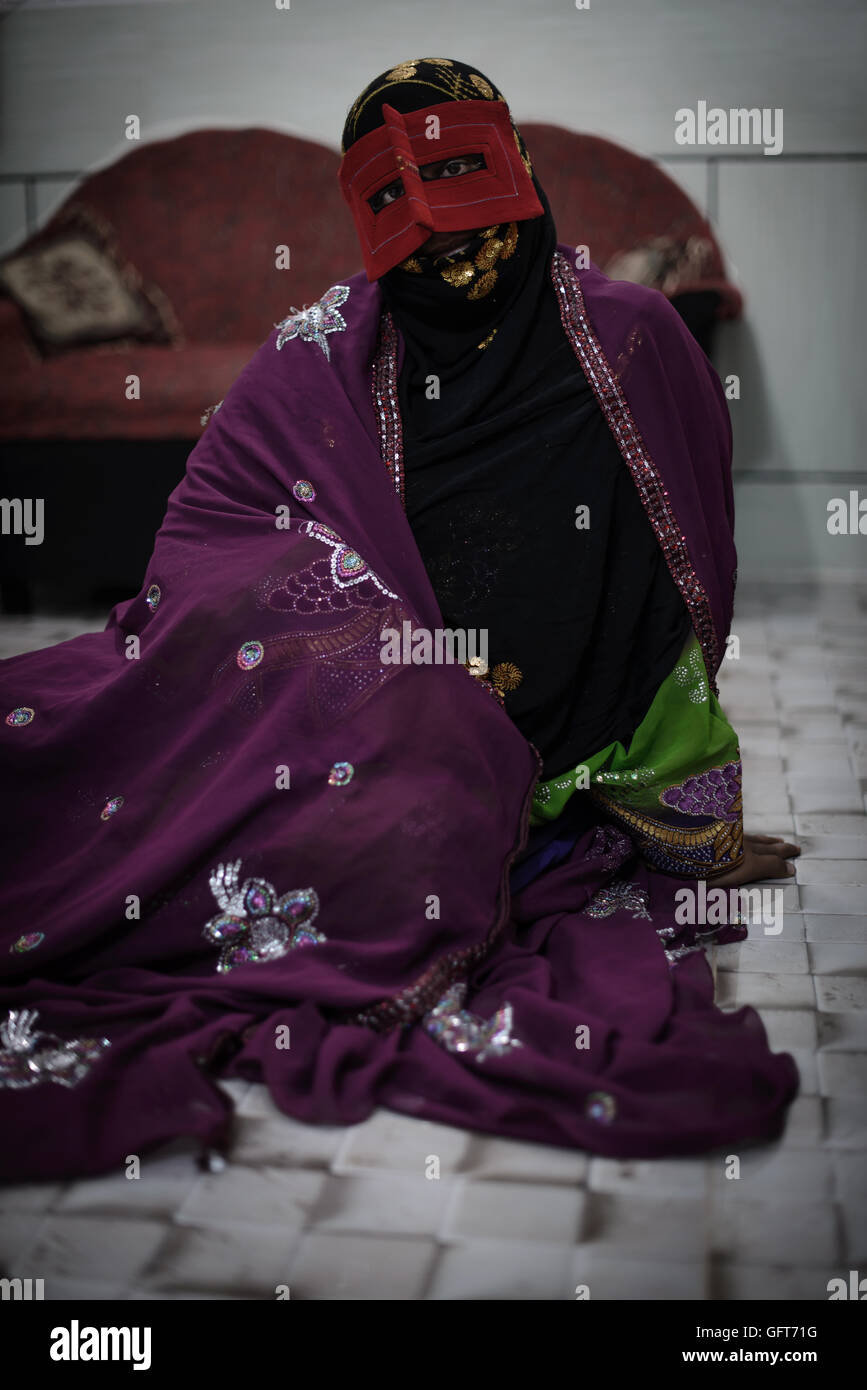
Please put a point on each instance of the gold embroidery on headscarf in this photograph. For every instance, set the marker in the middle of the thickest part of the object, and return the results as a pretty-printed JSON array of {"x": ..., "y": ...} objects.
[
  {"x": 522, "y": 150},
  {"x": 441, "y": 76},
  {"x": 483, "y": 285},
  {"x": 403, "y": 71},
  {"x": 460, "y": 274},
  {"x": 482, "y": 86},
  {"x": 494, "y": 249},
  {"x": 510, "y": 241},
  {"x": 489, "y": 253},
  {"x": 497, "y": 248},
  {"x": 484, "y": 343}
]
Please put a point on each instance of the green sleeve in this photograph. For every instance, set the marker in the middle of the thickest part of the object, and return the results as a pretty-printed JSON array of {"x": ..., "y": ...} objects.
[{"x": 677, "y": 787}]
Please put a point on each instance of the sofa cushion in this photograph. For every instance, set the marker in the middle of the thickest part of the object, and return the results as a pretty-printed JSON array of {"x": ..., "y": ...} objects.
[
  {"x": 637, "y": 222},
  {"x": 74, "y": 289}
]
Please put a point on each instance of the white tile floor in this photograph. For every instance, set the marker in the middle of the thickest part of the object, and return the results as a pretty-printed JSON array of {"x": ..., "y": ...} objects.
[{"x": 351, "y": 1214}]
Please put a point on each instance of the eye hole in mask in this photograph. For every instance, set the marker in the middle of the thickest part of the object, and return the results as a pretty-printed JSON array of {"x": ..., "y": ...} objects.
[{"x": 440, "y": 169}]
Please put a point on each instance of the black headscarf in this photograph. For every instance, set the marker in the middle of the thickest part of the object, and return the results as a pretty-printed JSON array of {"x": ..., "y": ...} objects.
[{"x": 503, "y": 441}]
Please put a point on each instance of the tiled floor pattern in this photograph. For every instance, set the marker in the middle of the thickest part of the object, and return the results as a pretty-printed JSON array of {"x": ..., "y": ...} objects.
[{"x": 351, "y": 1214}]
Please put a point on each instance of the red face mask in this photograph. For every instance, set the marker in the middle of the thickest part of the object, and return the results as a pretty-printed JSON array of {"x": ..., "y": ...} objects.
[{"x": 499, "y": 191}]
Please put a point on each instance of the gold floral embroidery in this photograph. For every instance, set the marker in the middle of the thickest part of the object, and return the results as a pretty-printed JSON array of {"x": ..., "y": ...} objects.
[
  {"x": 483, "y": 285},
  {"x": 482, "y": 86},
  {"x": 489, "y": 253},
  {"x": 480, "y": 273},
  {"x": 522, "y": 150},
  {"x": 485, "y": 341},
  {"x": 510, "y": 241},
  {"x": 460, "y": 274},
  {"x": 441, "y": 76},
  {"x": 403, "y": 71},
  {"x": 506, "y": 676},
  {"x": 497, "y": 248}
]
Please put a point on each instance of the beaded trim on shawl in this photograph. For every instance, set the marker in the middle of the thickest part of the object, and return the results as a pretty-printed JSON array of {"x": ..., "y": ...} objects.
[
  {"x": 411, "y": 1003},
  {"x": 385, "y": 402},
  {"x": 646, "y": 476},
  {"x": 616, "y": 410}
]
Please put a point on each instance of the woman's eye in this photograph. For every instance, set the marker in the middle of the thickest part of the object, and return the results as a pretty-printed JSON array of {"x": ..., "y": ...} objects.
[
  {"x": 451, "y": 168},
  {"x": 386, "y": 196}
]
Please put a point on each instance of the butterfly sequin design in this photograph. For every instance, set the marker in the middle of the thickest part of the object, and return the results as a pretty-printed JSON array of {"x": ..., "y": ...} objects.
[{"x": 314, "y": 322}]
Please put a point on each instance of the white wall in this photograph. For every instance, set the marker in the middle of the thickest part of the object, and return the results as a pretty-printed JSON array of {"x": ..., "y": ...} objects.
[{"x": 794, "y": 226}]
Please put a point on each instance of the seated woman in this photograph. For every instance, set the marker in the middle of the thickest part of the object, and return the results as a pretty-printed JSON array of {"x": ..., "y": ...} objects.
[{"x": 483, "y": 864}]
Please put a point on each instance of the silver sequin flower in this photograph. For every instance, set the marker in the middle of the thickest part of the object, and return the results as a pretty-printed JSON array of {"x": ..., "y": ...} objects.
[
  {"x": 458, "y": 1030},
  {"x": 29, "y": 1058},
  {"x": 255, "y": 923},
  {"x": 619, "y": 896},
  {"x": 312, "y": 324}
]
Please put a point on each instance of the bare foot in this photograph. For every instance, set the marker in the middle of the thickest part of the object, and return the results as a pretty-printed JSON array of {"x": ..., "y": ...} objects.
[{"x": 765, "y": 856}]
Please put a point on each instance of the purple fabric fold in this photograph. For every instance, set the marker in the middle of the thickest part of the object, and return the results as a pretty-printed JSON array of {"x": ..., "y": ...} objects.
[{"x": 229, "y": 776}]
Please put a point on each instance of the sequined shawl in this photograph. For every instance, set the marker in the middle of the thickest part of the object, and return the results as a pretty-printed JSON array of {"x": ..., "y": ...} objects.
[{"x": 236, "y": 842}]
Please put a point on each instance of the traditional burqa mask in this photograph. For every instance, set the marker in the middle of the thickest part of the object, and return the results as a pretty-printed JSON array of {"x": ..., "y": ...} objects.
[{"x": 430, "y": 153}]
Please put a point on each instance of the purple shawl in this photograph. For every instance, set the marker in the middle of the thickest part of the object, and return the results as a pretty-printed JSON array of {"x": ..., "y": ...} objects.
[{"x": 237, "y": 843}]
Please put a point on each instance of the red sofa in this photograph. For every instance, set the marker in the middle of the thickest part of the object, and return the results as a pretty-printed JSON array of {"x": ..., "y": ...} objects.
[
  {"x": 197, "y": 221},
  {"x": 200, "y": 217}
]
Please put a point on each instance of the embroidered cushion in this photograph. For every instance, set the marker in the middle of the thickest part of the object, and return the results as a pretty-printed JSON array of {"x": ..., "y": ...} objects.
[{"x": 74, "y": 289}]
